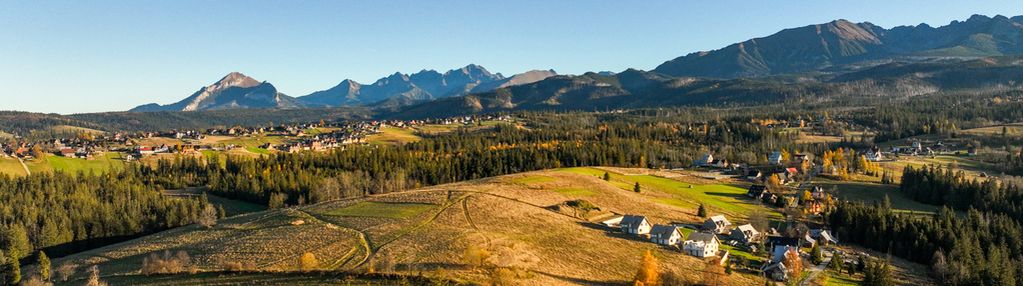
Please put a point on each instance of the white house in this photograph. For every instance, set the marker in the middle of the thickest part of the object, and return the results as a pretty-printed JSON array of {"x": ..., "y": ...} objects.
[
  {"x": 701, "y": 244},
  {"x": 717, "y": 224},
  {"x": 665, "y": 234},
  {"x": 634, "y": 224},
  {"x": 875, "y": 156},
  {"x": 745, "y": 233}
]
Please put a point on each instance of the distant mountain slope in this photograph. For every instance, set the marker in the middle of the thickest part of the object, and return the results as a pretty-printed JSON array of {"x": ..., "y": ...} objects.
[
  {"x": 842, "y": 42},
  {"x": 401, "y": 89},
  {"x": 640, "y": 89},
  {"x": 234, "y": 91}
]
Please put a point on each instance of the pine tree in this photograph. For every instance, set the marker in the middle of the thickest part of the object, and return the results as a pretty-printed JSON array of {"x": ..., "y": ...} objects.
[
  {"x": 607, "y": 177},
  {"x": 14, "y": 267},
  {"x": 636, "y": 188},
  {"x": 702, "y": 211},
  {"x": 43, "y": 263}
]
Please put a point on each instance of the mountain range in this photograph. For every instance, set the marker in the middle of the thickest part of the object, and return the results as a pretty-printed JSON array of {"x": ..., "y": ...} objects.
[
  {"x": 822, "y": 53},
  {"x": 238, "y": 91},
  {"x": 842, "y": 42}
]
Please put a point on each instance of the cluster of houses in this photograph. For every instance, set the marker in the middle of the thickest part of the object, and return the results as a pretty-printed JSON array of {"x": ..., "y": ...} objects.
[
  {"x": 702, "y": 244},
  {"x": 706, "y": 242}
]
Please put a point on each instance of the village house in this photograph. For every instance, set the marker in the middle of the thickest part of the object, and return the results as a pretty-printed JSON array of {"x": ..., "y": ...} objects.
[
  {"x": 779, "y": 244},
  {"x": 754, "y": 175},
  {"x": 776, "y": 268},
  {"x": 635, "y": 224},
  {"x": 823, "y": 237},
  {"x": 745, "y": 234},
  {"x": 775, "y": 158},
  {"x": 701, "y": 244},
  {"x": 716, "y": 224},
  {"x": 665, "y": 234},
  {"x": 705, "y": 160},
  {"x": 874, "y": 155}
]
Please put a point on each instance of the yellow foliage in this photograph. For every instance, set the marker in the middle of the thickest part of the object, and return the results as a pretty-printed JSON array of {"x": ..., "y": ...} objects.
[
  {"x": 308, "y": 262},
  {"x": 649, "y": 271}
]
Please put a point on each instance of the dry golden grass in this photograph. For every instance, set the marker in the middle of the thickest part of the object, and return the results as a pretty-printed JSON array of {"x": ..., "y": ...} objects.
[{"x": 507, "y": 216}]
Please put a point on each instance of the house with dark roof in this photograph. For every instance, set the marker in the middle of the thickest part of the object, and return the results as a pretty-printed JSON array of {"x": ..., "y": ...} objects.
[
  {"x": 665, "y": 234},
  {"x": 634, "y": 224}
]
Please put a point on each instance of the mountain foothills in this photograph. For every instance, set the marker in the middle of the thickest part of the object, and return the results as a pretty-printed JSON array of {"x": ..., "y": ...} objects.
[{"x": 237, "y": 91}]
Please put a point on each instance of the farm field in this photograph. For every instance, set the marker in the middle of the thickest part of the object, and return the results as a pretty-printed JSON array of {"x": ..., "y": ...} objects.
[
  {"x": 393, "y": 135},
  {"x": 11, "y": 166},
  {"x": 99, "y": 163},
  {"x": 872, "y": 192},
  {"x": 1012, "y": 130}
]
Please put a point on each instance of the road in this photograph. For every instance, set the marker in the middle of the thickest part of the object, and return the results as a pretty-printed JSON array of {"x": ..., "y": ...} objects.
[
  {"x": 817, "y": 269},
  {"x": 27, "y": 172}
]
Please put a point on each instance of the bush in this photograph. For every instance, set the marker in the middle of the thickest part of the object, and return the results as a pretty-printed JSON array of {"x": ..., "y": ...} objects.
[{"x": 167, "y": 264}]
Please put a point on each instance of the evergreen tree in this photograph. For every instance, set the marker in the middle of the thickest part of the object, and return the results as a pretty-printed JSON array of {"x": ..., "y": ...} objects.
[
  {"x": 607, "y": 177},
  {"x": 702, "y": 211},
  {"x": 635, "y": 188},
  {"x": 43, "y": 264}
]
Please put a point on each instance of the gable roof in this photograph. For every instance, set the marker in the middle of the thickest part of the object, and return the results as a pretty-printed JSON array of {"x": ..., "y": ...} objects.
[
  {"x": 702, "y": 236},
  {"x": 782, "y": 241},
  {"x": 747, "y": 227},
  {"x": 632, "y": 220},
  {"x": 719, "y": 219},
  {"x": 663, "y": 231}
]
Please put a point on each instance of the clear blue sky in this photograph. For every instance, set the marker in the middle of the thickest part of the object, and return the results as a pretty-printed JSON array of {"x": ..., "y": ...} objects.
[{"x": 89, "y": 56}]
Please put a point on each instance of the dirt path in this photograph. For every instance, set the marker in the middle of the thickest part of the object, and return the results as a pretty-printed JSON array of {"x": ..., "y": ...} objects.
[
  {"x": 816, "y": 270},
  {"x": 27, "y": 172}
]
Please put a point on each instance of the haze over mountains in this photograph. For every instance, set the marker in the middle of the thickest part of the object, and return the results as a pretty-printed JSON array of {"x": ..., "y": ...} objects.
[{"x": 825, "y": 49}]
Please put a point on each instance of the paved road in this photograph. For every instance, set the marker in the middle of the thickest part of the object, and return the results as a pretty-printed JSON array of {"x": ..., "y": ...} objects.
[{"x": 817, "y": 269}]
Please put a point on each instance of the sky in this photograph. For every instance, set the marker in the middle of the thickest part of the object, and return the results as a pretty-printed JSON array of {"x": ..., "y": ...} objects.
[{"x": 93, "y": 56}]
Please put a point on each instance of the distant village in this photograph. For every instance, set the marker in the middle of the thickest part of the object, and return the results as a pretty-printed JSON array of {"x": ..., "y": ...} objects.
[{"x": 293, "y": 138}]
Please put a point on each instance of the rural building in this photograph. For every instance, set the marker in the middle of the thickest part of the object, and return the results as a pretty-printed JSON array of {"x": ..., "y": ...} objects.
[
  {"x": 701, "y": 244},
  {"x": 745, "y": 234},
  {"x": 716, "y": 224},
  {"x": 874, "y": 155},
  {"x": 635, "y": 224},
  {"x": 705, "y": 160},
  {"x": 823, "y": 236},
  {"x": 665, "y": 234},
  {"x": 775, "y": 158}
]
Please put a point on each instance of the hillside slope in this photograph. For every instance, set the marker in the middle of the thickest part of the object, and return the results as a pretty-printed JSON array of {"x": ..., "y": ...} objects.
[{"x": 521, "y": 219}]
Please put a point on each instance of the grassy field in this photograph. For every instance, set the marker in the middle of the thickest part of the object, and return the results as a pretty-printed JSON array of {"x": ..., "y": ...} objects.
[
  {"x": 871, "y": 192},
  {"x": 393, "y": 135},
  {"x": 261, "y": 278},
  {"x": 101, "y": 162},
  {"x": 718, "y": 198},
  {"x": 834, "y": 278},
  {"x": 11, "y": 166},
  {"x": 381, "y": 210},
  {"x": 428, "y": 230},
  {"x": 1012, "y": 130}
]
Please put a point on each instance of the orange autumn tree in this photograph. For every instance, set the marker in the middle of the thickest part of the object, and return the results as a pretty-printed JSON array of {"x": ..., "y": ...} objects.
[{"x": 649, "y": 271}]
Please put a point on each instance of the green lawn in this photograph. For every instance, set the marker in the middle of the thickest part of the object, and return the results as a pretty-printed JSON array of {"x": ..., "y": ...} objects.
[
  {"x": 575, "y": 192},
  {"x": 380, "y": 209},
  {"x": 253, "y": 141},
  {"x": 741, "y": 253},
  {"x": 717, "y": 198},
  {"x": 393, "y": 135},
  {"x": 101, "y": 162},
  {"x": 870, "y": 192},
  {"x": 258, "y": 150}
]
